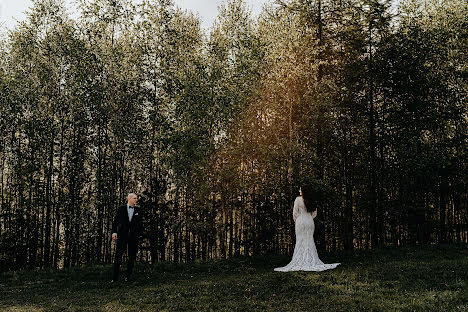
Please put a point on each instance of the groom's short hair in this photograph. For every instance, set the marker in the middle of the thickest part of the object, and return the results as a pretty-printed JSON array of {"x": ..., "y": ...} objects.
[{"x": 130, "y": 194}]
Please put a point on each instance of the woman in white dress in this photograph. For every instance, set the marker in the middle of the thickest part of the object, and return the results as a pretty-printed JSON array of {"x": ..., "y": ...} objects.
[{"x": 305, "y": 257}]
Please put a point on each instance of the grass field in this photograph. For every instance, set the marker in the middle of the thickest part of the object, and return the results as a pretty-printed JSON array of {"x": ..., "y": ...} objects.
[{"x": 429, "y": 278}]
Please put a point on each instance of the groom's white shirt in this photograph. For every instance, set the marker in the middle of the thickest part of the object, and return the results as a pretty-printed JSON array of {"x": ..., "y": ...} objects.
[{"x": 130, "y": 212}]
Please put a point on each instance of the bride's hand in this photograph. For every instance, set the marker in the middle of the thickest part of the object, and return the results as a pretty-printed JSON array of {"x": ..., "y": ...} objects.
[{"x": 314, "y": 214}]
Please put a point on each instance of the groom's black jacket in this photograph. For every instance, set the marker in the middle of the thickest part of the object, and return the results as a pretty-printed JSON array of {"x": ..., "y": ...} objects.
[{"x": 123, "y": 227}]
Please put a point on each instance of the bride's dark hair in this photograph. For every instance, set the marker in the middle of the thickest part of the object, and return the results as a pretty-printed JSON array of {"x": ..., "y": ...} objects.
[{"x": 311, "y": 197}]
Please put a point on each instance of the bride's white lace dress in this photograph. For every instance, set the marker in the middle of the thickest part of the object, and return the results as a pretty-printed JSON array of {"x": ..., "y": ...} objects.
[{"x": 305, "y": 257}]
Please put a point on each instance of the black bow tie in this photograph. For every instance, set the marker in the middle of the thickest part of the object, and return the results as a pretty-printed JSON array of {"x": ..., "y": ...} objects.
[{"x": 130, "y": 207}]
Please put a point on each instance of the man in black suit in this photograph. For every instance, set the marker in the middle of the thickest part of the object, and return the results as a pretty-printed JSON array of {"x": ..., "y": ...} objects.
[{"x": 126, "y": 229}]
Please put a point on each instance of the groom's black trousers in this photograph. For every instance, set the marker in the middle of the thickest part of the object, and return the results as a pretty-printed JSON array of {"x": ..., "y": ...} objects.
[{"x": 132, "y": 244}]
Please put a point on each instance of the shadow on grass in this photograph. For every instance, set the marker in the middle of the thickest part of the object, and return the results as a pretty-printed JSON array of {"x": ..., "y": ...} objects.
[{"x": 414, "y": 268}]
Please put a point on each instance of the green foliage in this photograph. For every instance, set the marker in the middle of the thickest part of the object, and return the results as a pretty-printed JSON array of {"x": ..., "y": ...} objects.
[
  {"x": 7, "y": 249},
  {"x": 364, "y": 99}
]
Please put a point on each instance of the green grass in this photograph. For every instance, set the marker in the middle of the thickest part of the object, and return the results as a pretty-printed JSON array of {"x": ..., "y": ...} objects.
[{"x": 430, "y": 278}]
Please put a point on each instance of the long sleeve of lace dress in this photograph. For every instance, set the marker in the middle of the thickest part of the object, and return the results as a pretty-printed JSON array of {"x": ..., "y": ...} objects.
[{"x": 296, "y": 208}]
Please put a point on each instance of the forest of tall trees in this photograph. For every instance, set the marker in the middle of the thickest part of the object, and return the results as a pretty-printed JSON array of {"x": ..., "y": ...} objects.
[{"x": 217, "y": 128}]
